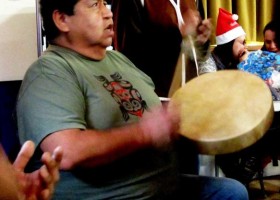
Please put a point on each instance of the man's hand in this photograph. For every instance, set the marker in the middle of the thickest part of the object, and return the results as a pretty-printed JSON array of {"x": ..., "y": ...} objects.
[
  {"x": 160, "y": 126},
  {"x": 193, "y": 25},
  {"x": 204, "y": 31}
]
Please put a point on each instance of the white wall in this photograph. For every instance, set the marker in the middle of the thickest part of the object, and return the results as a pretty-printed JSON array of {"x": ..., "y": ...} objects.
[{"x": 18, "y": 38}]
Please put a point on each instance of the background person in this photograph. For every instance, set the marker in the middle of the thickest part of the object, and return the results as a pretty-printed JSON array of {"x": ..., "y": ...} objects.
[
  {"x": 15, "y": 184},
  {"x": 231, "y": 44},
  {"x": 229, "y": 52},
  {"x": 149, "y": 34},
  {"x": 271, "y": 37}
]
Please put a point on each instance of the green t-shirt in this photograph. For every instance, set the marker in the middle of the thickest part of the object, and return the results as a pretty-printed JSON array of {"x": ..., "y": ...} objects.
[{"x": 64, "y": 90}]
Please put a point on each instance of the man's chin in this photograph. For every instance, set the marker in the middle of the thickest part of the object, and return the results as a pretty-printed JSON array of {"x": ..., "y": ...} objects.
[{"x": 108, "y": 43}]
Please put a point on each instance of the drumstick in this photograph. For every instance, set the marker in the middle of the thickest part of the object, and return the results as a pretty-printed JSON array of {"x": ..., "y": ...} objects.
[{"x": 190, "y": 38}]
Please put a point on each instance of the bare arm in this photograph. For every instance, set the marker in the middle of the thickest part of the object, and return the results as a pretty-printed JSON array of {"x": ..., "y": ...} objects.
[
  {"x": 90, "y": 148},
  {"x": 15, "y": 184},
  {"x": 39, "y": 184},
  {"x": 8, "y": 184}
]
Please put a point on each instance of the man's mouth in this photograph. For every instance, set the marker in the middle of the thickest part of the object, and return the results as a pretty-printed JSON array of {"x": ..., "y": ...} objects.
[{"x": 109, "y": 27}]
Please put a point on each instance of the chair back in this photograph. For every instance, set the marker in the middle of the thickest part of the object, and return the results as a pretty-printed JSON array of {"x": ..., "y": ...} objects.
[{"x": 8, "y": 125}]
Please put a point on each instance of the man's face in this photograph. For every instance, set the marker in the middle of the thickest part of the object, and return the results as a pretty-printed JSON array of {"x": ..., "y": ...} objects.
[{"x": 91, "y": 24}]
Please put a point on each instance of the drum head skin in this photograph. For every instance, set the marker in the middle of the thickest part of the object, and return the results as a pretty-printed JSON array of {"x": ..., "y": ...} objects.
[{"x": 223, "y": 112}]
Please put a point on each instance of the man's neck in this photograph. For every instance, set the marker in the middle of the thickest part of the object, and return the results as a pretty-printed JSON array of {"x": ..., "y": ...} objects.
[{"x": 92, "y": 52}]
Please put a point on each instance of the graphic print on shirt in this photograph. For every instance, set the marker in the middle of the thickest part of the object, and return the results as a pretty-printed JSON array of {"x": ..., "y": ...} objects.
[{"x": 128, "y": 98}]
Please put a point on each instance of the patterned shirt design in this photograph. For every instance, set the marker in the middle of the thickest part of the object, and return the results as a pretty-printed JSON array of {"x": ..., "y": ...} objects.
[{"x": 128, "y": 98}]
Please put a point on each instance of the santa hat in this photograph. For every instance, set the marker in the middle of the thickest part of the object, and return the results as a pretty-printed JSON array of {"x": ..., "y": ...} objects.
[{"x": 227, "y": 28}]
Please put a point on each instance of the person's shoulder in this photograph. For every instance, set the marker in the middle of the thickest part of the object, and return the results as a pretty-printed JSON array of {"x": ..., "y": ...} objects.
[{"x": 50, "y": 63}]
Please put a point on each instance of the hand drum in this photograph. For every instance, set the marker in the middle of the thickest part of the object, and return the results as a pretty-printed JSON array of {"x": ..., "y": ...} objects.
[{"x": 223, "y": 112}]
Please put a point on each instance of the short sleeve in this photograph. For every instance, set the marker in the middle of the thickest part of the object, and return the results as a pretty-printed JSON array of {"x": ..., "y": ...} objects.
[{"x": 49, "y": 102}]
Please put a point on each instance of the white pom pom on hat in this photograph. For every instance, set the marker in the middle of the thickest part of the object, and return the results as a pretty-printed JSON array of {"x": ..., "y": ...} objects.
[
  {"x": 235, "y": 17},
  {"x": 227, "y": 28}
]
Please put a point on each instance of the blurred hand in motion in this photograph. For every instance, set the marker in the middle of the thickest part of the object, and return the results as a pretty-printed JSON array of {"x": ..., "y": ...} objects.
[
  {"x": 160, "y": 126},
  {"x": 193, "y": 25},
  {"x": 40, "y": 184}
]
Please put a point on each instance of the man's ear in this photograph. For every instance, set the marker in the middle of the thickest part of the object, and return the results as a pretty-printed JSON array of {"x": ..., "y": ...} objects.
[{"x": 60, "y": 20}]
